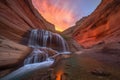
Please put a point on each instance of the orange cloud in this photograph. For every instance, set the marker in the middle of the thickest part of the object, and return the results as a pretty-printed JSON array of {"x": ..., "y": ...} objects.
[{"x": 56, "y": 12}]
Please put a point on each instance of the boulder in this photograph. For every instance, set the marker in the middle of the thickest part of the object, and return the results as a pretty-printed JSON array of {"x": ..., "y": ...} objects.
[{"x": 12, "y": 54}]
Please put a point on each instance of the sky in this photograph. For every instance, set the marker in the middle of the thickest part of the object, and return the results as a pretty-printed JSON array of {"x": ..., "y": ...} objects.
[{"x": 64, "y": 13}]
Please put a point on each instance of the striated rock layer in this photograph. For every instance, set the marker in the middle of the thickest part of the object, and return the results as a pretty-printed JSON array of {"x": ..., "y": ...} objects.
[
  {"x": 102, "y": 26},
  {"x": 17, "y": 19},
  {"x": 19, "y": 16},
  {"x": 11, "y": 53}
]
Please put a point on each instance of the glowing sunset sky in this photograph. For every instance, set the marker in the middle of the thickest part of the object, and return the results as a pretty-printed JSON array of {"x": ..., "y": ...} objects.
[{"x": 64, "y": 13}]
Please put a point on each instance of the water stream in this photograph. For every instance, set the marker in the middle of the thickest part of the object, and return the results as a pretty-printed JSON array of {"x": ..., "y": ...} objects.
[
  {"x": 41, "y": 41},
  {"x": 43, "y": 38},
  {"x": 27, "y": 70}
]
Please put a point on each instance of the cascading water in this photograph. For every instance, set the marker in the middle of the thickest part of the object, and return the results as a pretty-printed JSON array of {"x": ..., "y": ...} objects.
[
  {"x": 43, "y": 38},
  {"x": 62, "y": 42},
  {"x": 42, "y": 42},
  {"x": 36, "y": 56}
]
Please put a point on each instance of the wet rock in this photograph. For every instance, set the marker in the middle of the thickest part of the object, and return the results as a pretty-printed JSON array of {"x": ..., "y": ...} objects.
[
  {"x": 39, "y": 55},
  {"x": 74, "y": 45},
  {"x": 111, "y": 48},
  {"x": 102, "y": 73},
  {"x": 47, "y": 74}
]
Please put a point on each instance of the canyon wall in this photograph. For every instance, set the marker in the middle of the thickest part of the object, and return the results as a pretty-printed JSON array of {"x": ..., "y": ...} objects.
[
  {"x": 102, "y": 26},
  {"x": 17, "y": 17}
]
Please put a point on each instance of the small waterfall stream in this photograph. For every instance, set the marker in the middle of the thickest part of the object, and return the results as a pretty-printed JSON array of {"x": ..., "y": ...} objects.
[
  {"x": 42, "y": 42},
  {"x": 43, "y": 38}
]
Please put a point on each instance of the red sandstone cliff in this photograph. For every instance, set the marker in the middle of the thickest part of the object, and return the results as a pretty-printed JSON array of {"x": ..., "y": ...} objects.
[
  {"x": 19, "y": 16},
  {"x": 103, "y": 25}
]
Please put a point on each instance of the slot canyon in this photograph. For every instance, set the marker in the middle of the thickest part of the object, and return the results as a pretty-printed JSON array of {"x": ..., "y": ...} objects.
[{"x": 35, "y": 46}]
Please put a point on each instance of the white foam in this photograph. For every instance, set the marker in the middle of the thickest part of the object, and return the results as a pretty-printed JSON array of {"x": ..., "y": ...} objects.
[{"x": 27, "y": 70}]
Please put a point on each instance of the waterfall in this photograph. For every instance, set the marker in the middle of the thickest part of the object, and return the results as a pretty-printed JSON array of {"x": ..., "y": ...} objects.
[
  {"x": 43, "y": 38},
  {"x": 46, "y": 45},
  {"x": 62, "y": 42},
  {"x": 35, "y": 56}
]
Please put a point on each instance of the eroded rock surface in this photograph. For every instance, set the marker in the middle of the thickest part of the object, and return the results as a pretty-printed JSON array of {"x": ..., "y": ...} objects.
[
  {"x": 19, "y": 16},
  {"x": 11, "y": 53},
  {"x": 103, "y": 25}
]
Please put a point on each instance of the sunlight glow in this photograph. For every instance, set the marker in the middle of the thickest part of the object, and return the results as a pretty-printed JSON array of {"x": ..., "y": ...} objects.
[
  {"x": 64, "y": 14},
  {"x": 58, "y": 28},
  {"x": 59, "y": 75},
  {"x": 56, "y": 13}
]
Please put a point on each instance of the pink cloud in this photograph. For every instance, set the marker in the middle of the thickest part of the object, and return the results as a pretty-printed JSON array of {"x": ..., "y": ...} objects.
[{"x": 57, "y": 12}]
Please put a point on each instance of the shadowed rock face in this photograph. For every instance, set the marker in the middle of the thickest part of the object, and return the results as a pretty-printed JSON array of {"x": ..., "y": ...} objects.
[
  {"x": 103, "y": 25},
  {"x": 19, "y": 16},
  {"x": 11, "y": 53}
]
